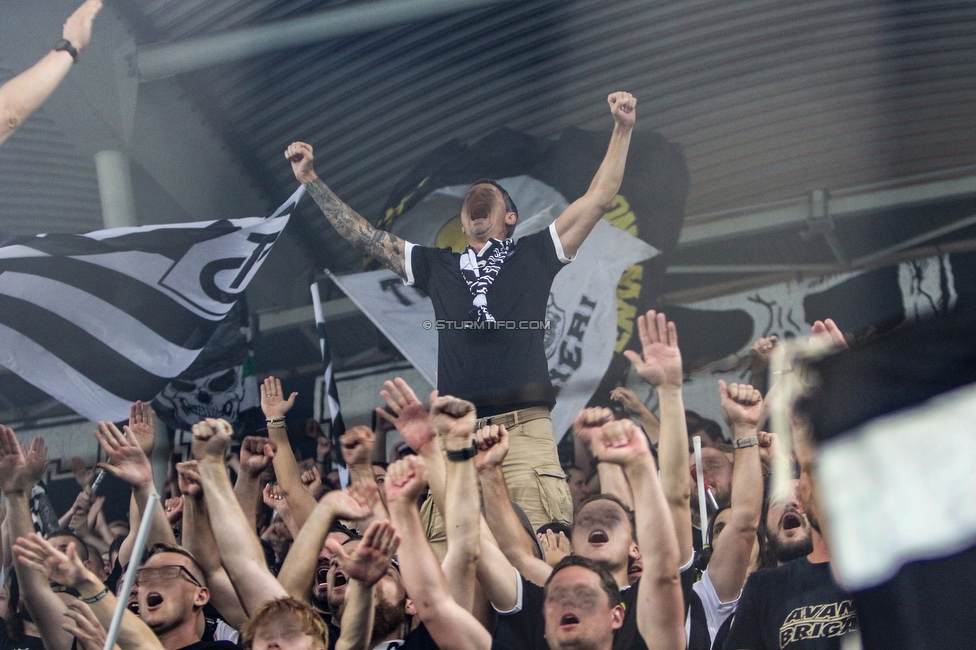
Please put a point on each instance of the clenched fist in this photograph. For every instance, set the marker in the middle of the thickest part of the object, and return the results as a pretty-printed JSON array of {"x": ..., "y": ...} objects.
[{"x": 622, "y": 107}]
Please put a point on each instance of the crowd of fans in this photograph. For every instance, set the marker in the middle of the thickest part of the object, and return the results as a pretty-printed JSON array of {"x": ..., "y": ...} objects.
[
  {"x": 440, "y": 546},
  {"x": 283, "y": 557}
]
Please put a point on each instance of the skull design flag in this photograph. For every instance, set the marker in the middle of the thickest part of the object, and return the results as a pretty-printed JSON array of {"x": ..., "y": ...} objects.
[{"x": 102, "y": 319}]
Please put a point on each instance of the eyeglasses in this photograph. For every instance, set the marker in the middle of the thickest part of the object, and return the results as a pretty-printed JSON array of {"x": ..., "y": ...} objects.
[{"x": 170, "y": 572}]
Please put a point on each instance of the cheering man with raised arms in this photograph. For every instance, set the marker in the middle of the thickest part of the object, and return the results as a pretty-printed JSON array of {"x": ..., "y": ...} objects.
[{"x": 501, "y": 369}]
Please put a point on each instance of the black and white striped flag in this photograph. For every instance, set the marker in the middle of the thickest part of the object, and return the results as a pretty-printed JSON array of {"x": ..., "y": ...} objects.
[
  {"x": 330, "y": 393},
  {"x": 102, "y": 319}
]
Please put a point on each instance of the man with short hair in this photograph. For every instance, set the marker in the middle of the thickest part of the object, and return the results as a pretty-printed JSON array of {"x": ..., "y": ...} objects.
[
  {"x": 583, "y": 608},
  {"x": 796, "y": 605},
  {"x": 284, "y": 624},
  {"x": 503, "y": 371},
  {"x": 171, "y": 595}
]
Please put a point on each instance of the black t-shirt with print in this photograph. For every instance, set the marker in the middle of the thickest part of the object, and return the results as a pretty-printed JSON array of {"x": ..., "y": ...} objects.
[
  {"x": 498, "y": 369},
  {"x": 526, "y": 629},
  {"x": 797, "y": 606}
]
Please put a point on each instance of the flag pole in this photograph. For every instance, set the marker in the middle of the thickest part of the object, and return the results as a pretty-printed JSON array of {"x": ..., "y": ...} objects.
[
  {"x": 700, "y": 475},
  {"x": 329, "y": 389},
  {"x": 130, "y": 575}
]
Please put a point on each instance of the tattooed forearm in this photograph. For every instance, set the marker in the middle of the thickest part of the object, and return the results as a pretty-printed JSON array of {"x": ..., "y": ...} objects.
[{"x": 383, "y": 246}]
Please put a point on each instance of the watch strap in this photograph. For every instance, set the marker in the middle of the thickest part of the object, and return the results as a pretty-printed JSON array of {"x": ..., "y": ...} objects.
[
  {"x": 748, "y": 441},
  {"x": 64, "y": 45}
]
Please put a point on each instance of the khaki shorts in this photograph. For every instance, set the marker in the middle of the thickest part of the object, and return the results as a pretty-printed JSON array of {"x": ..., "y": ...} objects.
[{"x": 535, "y": 480}]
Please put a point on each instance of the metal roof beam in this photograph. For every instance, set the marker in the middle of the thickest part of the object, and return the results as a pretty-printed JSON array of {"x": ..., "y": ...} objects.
[
  {"x": 158, "y": 61},
  {"x": 797, "y": 212}
]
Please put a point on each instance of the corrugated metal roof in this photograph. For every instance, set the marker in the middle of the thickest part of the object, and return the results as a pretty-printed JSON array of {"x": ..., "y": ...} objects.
[{"x": 769, "y": 100}]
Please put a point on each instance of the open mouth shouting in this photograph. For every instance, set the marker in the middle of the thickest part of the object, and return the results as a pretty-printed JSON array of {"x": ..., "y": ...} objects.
[
  {"x": 568, "y": 621},
  {"x": 480, "y": 202},
  {"x": 790, "y": 521},
  {"x": 153, "y": 601},
  {"x": 322, "y": 576},
  {"x": 598, "y": 537}
]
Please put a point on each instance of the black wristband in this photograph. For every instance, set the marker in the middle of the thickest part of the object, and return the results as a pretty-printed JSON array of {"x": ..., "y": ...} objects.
[
  {"x": 64, "y": 45},
  {"x": 461, "y": 455},
  {"x": 97, "y": 597}
]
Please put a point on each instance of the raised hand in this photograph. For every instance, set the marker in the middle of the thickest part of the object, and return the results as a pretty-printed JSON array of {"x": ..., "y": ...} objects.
[
  {"x": 622, "y": 107},
  {"x": 78, "y": 26},
  {"x": 492, "y": 443},
  {"x": 16, "y": 476},
  {"x": 79, "y": 521},
  {"x": 742, "y": 405},
  {"x": 273, "y": 401},
  {"x": 369, "y": 561},
  {"x": 275, "y": 498},
  {"x": 628, "y": 399},
  {"x": 762, "y": 349},
  {"x": 660, "y": 363},
  {"x": 405, "y": 480},
  {"x": 300, "y": 156},
  {"x": 84, "y": 626},
  {"x": 411, "y": 418},
  {"x": 453, "y": 417},
  {"x": 36, "y": 458},
  {"x": 312, "y": 480},
  {"x": 556, "y": 546},
  {"x": 142, "y": 424},
  {"x": 354, "y": 503},
  {"x": 257, "y": 453},
  {"x": 127, "y": 461},
  {"x": 37, "y": 553},
  {"x": 621, "y": 442},
  {"x": 211, "y": 439},
  {"x": 589, "y": 422},
  {"x": 830, "y": 336},
  {"x": 173, "y": 507},
  {"x": 357, "y": 445},
  {"x": 83, "y": 473},
  {"x": 188, "y": 478}
]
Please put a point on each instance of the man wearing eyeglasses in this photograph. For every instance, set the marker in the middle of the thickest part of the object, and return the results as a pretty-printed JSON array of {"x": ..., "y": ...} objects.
[{"x": 172, "y": 594}]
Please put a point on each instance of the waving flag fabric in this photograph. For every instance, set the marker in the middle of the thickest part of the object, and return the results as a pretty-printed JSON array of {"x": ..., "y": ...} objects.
[{"x": 99, "y": 320}]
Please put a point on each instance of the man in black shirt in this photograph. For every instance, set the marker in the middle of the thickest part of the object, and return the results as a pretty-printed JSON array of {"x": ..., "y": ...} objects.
[
  {"x": 490, "y": 302},
  {"x": 797, "y": 605}
]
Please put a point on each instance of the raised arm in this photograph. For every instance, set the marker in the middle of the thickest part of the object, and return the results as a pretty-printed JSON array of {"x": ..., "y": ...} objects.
[
  {"x": 25, "y": 93},
  {"x": 729, "y": 565},
  {"x": 629, "y": 400},
  {"x": 586, "y": 430},
  {"x": 364, "y": 565},
  {"x": 453, "y": 419},
  {"x": 576, "y": 222},
  {"x": 660, "y": 604},
  {"x": 406, "y": 413},
  {"x": 357, "y": 446},
  {"x": 67, "y": 569},
  {"x": 275, "y": 406},
  {"x": 198, "y": 539},
  {"x": 500, "y": 515},
  {"x": 451, "y": 626},
  {"x": 129, "y": 463},
  {"x": 378, "y": 244},
  {"x": 256, "y": 456},
  {"x": 240, "y": 549},
  {"x": 19, "y": 473},
  {"x": 298, "y": 570},
  {"x": 660, "y": 365}
]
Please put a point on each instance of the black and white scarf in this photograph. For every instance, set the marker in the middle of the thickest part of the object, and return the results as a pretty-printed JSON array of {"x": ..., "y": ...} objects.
[{"x": 480, "y": 271}]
